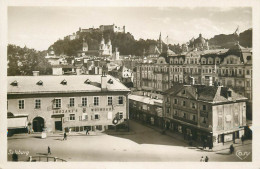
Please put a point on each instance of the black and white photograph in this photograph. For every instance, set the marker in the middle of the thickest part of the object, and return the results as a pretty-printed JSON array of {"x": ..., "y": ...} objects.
[{"x": 130, "y": 83}]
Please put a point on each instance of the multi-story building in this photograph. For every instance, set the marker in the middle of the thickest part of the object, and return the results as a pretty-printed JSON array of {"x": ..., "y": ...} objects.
[
  {"x": 63, "y": 102},
  {"x": 102, "y": 28},
  {"x": 228, "y": 67},
  {"x": 52, "y": 58},
  {"x": 211, "y": 114},
  {"x": 146, "y": 109},
  {"x": 113, "y": 28}
]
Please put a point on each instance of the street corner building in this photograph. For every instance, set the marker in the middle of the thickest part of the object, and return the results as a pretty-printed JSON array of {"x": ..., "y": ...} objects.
[
  {"x": 147, "y": 110},
  {"x": 66, "y": 103},
  {"x": 213, "y": 115}
]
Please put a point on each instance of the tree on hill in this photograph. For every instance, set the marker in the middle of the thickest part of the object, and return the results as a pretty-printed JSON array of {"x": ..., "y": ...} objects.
[
  {"x": 227, "y": 41},
  {"x": 22, "y": 61},
  {"x": 127, "y": 45}
]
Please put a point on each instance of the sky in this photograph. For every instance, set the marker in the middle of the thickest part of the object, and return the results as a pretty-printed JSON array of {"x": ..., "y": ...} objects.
[{"x": 40, "y": 27}]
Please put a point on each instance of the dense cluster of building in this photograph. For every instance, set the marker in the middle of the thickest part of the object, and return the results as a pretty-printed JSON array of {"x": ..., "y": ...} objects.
[
  {"x": 206, "y": 93},
  {"x": 203, "y": 94},
  {"x": 222, "y": 67}
]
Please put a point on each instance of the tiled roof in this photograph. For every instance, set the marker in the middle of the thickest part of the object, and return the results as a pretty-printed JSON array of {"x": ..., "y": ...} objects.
[
  {"x": 175, "y": 88},
  {"x": 52, "y": 84},
  {"x": 215, "y": 94}
]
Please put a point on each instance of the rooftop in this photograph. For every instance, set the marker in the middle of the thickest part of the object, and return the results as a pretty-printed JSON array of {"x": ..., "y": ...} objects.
[
  {"x": 144, "y": 99},
  {"x": 213, "y": 94},
  {"x": 60, "y": 84}
]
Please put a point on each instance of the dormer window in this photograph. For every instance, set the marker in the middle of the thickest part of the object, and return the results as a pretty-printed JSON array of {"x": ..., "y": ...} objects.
[
  {"x": 40, "y": 83},
  {"x": 183, "y": 92},
  {"x": 110, "y": 81},
  {"x": 87, "y": 81},
  {"x": 14, "y": 83},
  {"x": 64, "y": 82},
  {"x": 229, "y": 93}
]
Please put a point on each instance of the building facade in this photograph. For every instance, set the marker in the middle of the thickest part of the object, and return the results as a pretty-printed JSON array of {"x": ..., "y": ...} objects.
[
  {"x": 147, "y": 110},
  {"x": 213, "y": 115},
  {"x": 58, "y": 103},
  {"x": 228, "y": 67}
]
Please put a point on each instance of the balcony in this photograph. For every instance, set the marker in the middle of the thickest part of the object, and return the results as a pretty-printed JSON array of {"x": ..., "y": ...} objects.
[
  {"x": 231, "y": 75},
  {"x": 53, "y": 107},
  {"x": 161, "y": 71},
  {"x": 185, "y": 120},
  {"x": 167, "y": 104}
]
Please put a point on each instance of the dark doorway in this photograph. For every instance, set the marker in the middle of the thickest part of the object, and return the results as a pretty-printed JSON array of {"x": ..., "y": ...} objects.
[
  {"x": 38, "y": 124},
  {"x": 58, "y": 125}
]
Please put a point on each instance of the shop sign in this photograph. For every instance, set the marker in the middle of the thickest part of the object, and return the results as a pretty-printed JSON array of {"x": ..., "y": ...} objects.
[
  {"x": 228, "y": 137},
  {"x": 64, "y": 111}
]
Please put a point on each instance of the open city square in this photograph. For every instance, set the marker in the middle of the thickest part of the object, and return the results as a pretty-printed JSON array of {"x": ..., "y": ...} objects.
[{"x": 129, "y": 84}]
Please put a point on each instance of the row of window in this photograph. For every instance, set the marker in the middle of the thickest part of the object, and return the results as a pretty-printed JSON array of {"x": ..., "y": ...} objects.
[
  {"x": 209, "y": 70},
  {"x": 192, "y": 104},
  {"x": 57, "y": 102},
  {"x": 95, "y": 117}
]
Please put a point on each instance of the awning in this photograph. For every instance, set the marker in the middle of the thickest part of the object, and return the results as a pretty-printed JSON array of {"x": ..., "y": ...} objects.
[{"x": 19, "y": 122}]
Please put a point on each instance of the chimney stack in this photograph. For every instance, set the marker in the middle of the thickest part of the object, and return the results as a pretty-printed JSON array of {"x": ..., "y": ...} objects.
[
  {"x": 36, "y": 73},
  {"x": 103, "y": 81}
]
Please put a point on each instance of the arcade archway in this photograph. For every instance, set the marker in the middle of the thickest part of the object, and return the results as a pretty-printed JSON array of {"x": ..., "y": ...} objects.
[{"x": 38, "y": 124}]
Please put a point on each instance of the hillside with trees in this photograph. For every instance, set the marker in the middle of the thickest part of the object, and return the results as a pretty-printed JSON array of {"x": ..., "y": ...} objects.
[
  {"x": 22, "y": 61},
  {"x": 226, "y": 41},
  {"x": 127, "y": 44}
]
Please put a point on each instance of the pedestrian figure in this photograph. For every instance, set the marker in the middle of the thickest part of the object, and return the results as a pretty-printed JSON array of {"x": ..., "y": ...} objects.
[
  {"x": 242, "y": 139},
  {"x": 204, "y": 144},
  {"x": 49, "y": 150},
  {"x": 202, "y": 159},
  {"x": 206, "y": 159},
  {"x": 15, "y": 157},
  {"x": 210, "y": 146},
  {"x": 87, "y": 133},
  {"x": 65, "y": 136},
  {"x": 69, "y": 130},
  {"x": 231, "y": 149}
]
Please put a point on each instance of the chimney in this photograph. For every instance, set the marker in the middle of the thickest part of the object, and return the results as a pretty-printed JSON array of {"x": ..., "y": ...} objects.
[
  {"x": 36, "y": 73},
  {"x": 210, "y": 81},
  {"x": 103, "y": 82}
]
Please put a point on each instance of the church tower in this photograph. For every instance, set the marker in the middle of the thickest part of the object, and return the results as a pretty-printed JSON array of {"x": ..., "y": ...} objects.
[
  {"x": 102, "y": 43},
  {"x": 160, "y": 43},
  {"x": 109, "y": 46},
  {"x": 85, "y": 45}
]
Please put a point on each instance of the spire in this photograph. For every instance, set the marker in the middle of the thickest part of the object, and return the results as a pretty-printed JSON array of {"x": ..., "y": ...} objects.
[
  {"x": 102, "y": 40},
  {"x": 109, "y": 41},
  {"x": 160, "y": 43}
]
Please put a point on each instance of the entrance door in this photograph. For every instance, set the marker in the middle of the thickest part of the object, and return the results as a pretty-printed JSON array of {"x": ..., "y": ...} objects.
[
  {"x": 38, "y": 124},
  {"x": 58, "y": 125}
]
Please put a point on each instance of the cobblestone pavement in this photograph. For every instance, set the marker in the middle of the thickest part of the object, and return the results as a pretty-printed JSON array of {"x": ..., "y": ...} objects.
[{"x": 141, "y": 144}]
